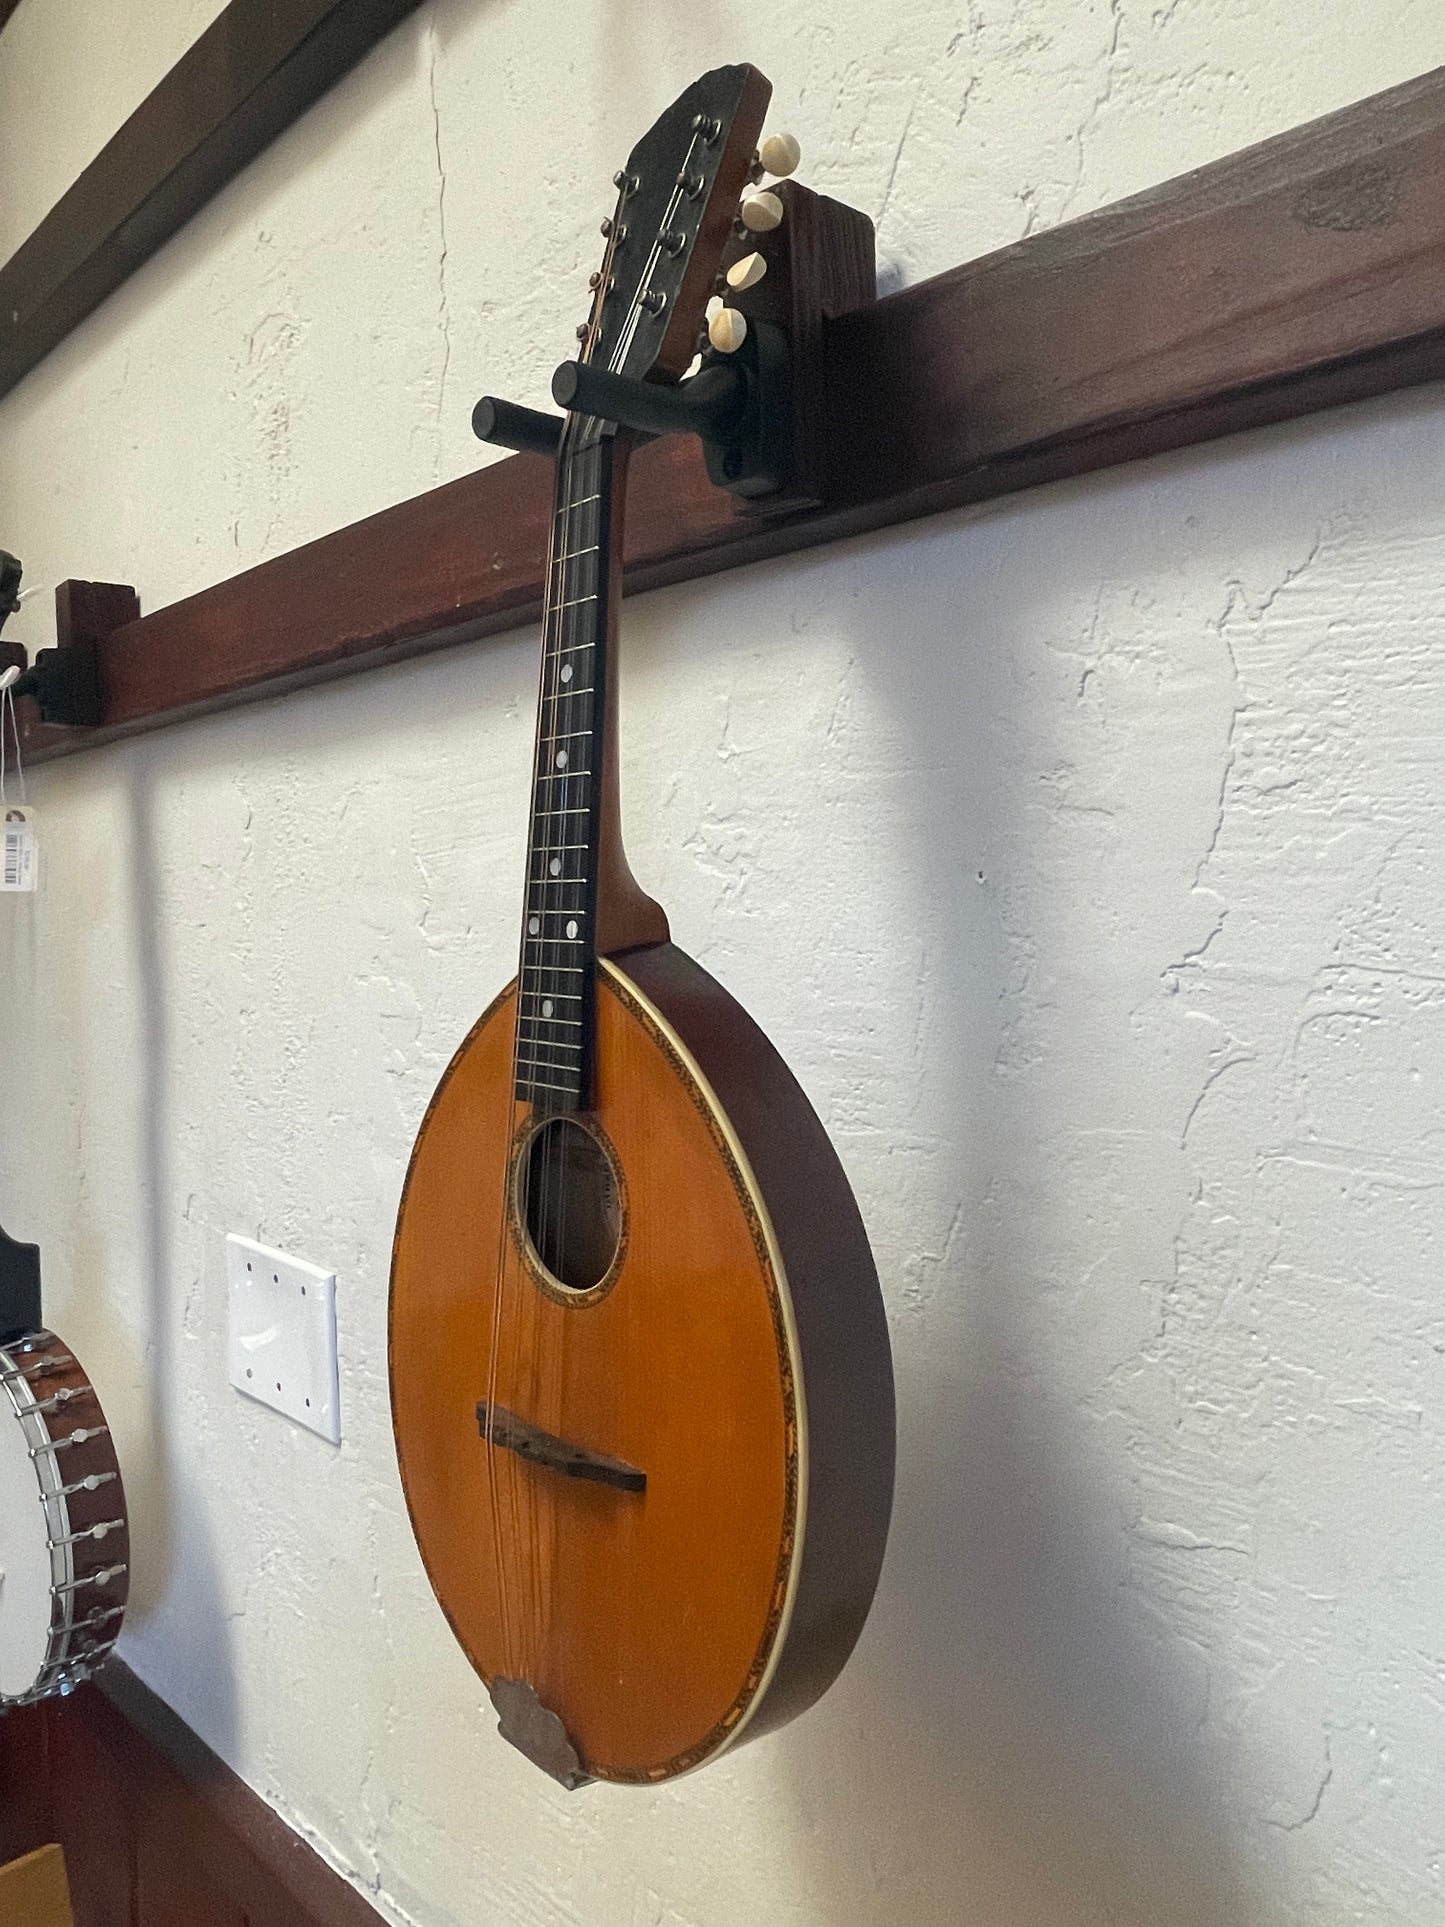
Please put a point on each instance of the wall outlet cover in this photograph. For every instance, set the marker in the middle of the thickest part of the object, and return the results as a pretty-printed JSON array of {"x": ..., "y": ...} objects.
[{"x": 283, "y": 1334}]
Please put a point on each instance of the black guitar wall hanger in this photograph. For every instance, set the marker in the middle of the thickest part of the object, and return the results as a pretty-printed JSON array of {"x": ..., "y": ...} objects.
[
  {"x": 19, "y": 1288},
  {"x": 763, "y": 410},
  {"x": 66, "y": 681},
  {"x": 739, "y": 406}
]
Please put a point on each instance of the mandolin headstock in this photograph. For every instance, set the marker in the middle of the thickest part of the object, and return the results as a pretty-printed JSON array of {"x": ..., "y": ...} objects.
[{"x": 677, "y": 198}]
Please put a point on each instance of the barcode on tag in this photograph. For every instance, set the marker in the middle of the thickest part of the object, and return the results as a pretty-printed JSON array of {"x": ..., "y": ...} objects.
[{"x": 19, "y": 851}]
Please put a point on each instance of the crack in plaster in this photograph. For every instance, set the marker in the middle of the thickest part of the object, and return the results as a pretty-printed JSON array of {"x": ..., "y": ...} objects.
[
  {"x": 1101, "y": 101},
  {"x": 443, "y": 303},
  {"x": 1297, "y": 1826},
  {"x": 897, "y": 157}
]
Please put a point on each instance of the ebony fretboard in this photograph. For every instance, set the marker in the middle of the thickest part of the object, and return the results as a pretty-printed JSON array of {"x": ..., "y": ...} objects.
[{"x": 554, "y": 1007}]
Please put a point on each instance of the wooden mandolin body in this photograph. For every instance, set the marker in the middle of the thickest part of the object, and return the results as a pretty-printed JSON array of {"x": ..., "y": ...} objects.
[{"x": 733, "y": 1360}]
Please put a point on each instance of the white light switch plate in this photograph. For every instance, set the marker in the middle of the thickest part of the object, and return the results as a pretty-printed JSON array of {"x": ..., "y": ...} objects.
[{"x": 283, "y": 1334}]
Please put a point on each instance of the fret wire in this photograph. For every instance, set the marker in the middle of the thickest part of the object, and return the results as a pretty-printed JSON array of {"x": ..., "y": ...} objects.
[{"x": 550, "y": 1052}]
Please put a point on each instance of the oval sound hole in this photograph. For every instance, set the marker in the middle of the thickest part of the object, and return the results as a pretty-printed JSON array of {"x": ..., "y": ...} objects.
[{"x": 570, "y": 1203}]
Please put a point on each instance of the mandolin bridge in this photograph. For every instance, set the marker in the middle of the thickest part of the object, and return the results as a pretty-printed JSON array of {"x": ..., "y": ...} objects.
[{"x": 501, "y": 1427}]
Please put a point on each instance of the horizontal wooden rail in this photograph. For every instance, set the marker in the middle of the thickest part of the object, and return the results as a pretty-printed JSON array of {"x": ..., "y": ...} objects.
[
  {"x": 1302, "y": 273},
  {"x": 257, "y": 66}
]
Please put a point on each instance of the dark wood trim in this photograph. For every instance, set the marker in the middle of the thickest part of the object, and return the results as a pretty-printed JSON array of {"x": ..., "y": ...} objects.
[
  {"x": 157, "y": 1831},
  {"x": 1301, "y": 274},
  {"x": 255, "y": 69}
]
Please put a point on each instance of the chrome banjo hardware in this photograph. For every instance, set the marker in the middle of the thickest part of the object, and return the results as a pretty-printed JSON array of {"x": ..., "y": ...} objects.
[
  {"x": 63, "y": 1397},
  {"x": 52, "y": 1360},
  {"x": 90, "y": 1532},
  {"x": 80, "y": 1437},
  {"x": 101, "y": 1578},
  {"x": 89, "y": 1563},
  {"x": 92, "y": 1483}
]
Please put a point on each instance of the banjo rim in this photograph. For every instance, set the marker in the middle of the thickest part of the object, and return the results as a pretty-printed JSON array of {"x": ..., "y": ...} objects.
[{"x": 48, "y": 1394}]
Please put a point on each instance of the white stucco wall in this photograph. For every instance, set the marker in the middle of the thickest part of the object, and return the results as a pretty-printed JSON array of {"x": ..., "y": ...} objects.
[{"x": 1083, "y": 855}]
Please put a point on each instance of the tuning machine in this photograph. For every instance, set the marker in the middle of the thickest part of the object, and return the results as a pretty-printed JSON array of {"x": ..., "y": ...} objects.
[
  {"x": 760, "y": 212},
  {"x": 727, "y": 330},
  {"x": 779, "y": 155}
]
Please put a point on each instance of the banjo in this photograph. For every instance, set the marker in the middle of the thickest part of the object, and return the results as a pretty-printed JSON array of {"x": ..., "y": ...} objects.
[{"x": 64, "y": 1542}]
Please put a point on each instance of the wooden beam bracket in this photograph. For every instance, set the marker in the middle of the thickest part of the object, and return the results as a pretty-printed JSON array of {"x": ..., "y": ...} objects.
[{"x": 65, "y": 682}]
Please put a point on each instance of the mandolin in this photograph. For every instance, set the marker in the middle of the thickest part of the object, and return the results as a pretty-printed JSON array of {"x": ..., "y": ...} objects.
[{"x": 640, "y": 1376}]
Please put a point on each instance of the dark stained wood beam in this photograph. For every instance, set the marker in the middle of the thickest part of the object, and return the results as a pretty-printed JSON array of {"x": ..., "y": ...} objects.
[
  {"x": 1298, "y": 275},
  {"x": 156, "y": 1828},
  {"x": 258, "y": 66}
]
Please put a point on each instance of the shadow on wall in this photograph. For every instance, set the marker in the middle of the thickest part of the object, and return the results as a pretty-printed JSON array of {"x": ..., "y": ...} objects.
[
  {"x": 1017, "y": 1743},
  {"x": 969, "y": 1785},
  {"x": 175, "y": 1595}
]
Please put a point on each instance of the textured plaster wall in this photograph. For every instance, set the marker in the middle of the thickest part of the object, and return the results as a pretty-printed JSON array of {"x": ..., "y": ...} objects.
[{"x": 1082, "y": 854}]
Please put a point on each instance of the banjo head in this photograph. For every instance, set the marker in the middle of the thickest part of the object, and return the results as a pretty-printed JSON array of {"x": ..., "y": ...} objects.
[{"x": 64, "y": 1542}]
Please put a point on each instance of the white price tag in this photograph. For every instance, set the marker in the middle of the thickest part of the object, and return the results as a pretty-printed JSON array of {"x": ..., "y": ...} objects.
[{"x": 19, "y": 849}]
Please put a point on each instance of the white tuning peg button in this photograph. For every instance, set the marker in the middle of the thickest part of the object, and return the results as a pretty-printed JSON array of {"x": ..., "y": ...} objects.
[
  {"x": 727, "y": 331},
  {"x": 780, "y": 154},
  {"x": 761, "y": 212},
  {"x": 747, "y": 273}
]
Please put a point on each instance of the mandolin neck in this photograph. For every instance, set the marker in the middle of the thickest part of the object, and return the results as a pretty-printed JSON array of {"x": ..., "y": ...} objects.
[{"x": 581, "y": 899}]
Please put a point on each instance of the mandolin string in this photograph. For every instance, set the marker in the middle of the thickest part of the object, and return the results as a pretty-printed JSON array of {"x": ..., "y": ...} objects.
[
  {"x": 513, "y": 1652},
  {"x": 556, "y": 647},
  {"x": 554, "y": 1161},
  {"x": 553, "y": 820},
  {"x": 578, "y": 791}
]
